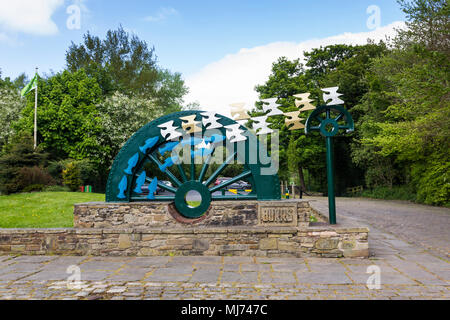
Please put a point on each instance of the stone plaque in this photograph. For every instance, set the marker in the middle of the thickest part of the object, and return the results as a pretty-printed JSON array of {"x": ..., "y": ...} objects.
[{"x": 277, "y": 214}]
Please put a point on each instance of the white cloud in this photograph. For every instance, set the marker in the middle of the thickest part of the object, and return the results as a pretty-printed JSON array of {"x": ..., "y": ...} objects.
[
  {"x": 162, "y": 14},
  {"x": 233, "y": 78},
  {"x": 29, "y": 16}
]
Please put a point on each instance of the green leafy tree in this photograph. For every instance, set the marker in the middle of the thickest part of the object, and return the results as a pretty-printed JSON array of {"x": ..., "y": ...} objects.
[
  {"x": 428, "y": 23},
  {"x": 288, "y": 78},
  {"x": 122, "y": 62},
  {"x": 68, "y": 119},
  {"x": 404, "y": 127}
]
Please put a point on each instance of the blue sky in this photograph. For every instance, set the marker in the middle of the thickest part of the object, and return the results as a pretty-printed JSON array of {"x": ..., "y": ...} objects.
[{"x": 189, "y": 36}]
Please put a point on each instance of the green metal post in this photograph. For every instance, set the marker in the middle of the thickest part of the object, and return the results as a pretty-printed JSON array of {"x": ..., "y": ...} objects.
[{"x": 330, "y": 176}]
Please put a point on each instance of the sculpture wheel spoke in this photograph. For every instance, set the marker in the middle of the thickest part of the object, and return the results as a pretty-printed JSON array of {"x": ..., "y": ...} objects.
[
  {"x": 182, "y": 173},
  {"x": 231, "y": 181},
  {"x": 220, "y": 169},
  {"x": 174, "y": 179},
  {"x": 339, "y": 117},
  {"x": 192, "y": 176}
]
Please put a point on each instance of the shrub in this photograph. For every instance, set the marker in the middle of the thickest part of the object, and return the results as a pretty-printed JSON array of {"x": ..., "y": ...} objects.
[
  {"x": 33, "y": 188},
  {"x": 394, "y": 193},
  {"x": 72, "y": 176},
  {"x": 17, "y": 165},
  {"x": 29, "y": 176}
]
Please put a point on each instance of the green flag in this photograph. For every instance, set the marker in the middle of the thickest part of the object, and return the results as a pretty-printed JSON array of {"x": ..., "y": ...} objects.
[{"x": 31, "y": 86}]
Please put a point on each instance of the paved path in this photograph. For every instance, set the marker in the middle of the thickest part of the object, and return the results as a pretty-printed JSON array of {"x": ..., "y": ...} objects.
[
  {"x": 408, "y": 269},
  {"x": 425, "y": 226}
]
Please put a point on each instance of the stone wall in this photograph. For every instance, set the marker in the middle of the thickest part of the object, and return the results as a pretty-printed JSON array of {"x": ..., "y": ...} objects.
[
  {"x": 244, "y": 228},
  {"x": 239, "y": 241},
  {"x": 103, "y": 215}
]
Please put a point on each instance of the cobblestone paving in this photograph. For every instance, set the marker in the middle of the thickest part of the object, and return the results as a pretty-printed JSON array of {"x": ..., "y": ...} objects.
[{"x": 407, "y": 271}]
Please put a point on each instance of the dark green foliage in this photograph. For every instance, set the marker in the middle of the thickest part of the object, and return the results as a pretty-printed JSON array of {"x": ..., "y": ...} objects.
[
  {"x": 68, "y": 120},
  {"x": 33, "y": 188},
  {"x": 395, "y": 193},
  {"x": 124, "y": 63},
  {"x": 16, "y": 165}
]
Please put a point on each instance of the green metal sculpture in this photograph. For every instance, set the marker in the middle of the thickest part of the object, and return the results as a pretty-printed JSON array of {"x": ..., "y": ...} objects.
[{"x": 199, "y": 132}]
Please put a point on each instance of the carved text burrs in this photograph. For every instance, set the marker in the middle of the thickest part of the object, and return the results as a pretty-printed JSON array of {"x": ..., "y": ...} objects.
[
  {"x": 261, "y": 125},
  {"x": 169, "y": 132},
  {"x": 209, "y": 120},
  {"x": 238, "y": 112},
  {"x": 333, "y": 95},
  {"x": 234, "y": 133},
  {"x": 293, "y": 120},
  {"x": 190, "y": 125},
  {"x": 304, "y": 100},
  {"x": 272, "y": 105}
]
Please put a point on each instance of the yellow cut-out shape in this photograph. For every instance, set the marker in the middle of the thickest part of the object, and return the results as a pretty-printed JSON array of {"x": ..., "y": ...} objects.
[
  {"x": 293, "y": 120},
  {"x": 189, "y": 124},
  {"x": 238, "y": 111},
  {"x": 305, "y": 101}
]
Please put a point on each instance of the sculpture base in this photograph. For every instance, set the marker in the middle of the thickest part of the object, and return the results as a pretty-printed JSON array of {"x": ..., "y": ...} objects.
[{"x": 252, "y": 228}]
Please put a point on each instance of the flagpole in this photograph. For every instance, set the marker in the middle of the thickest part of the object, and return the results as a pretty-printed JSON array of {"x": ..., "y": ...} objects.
[{"x": 35, "y": 111}]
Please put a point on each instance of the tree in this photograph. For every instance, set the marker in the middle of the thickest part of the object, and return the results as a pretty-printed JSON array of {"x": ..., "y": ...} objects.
[
  {"x": 321, "y": 61},
  {"x": 16, "y": 156},
  {"x": 11, "y": 106},
  {"x": 121, "y": 116},
  {"x": 122, "y": 62},
  {"x": 428, "y": 23},
  {"x": 119, "y": 62},
  {"x": 288, "y": 78},
  {"x": 404, "y": 127},
  {"x": 68, "y": 119}
]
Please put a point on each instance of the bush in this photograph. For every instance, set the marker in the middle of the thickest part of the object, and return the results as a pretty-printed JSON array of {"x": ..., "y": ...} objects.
[
  {"x": 395, "y": 193},
  {"x": 29, "y": 176},
  {"x": 33, "y": 188},
  {"x": 55, "y": 169},
  {"x": 72, "y": 176},
  {"x": 21, "y": 165}
]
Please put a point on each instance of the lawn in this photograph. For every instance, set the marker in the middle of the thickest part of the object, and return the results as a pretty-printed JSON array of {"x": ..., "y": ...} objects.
[{"x": 42, "y": 209}]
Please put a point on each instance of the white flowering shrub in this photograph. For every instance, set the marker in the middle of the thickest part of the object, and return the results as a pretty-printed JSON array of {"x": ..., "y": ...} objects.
[
  {"x": 11, "y": 106},
  {"x": 121, "y": 116}
]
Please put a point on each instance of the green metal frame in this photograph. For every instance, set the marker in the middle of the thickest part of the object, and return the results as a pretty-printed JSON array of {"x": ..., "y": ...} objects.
[
  {"x": 127, "y": 174},
  {"x": 329, "y": 127}
]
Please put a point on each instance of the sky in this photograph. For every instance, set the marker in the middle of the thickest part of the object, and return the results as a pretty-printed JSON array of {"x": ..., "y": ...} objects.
[{"x": 222, "y": 48}]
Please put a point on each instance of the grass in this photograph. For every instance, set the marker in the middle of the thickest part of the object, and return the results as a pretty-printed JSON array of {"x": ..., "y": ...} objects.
[
  {"x": 42, "y": 209},
  {"x": 193, "y": 204}
]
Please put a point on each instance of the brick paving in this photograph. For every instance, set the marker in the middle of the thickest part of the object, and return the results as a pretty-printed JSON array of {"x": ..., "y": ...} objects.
[{"x": 412, "y": 264}]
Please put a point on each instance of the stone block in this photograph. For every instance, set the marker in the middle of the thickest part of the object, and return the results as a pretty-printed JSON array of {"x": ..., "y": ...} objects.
[
  {"x": 326, "y": 244},
  {"x": 268, "y": 244},
  {"x": 124, "y": 241},
  {"x": 199, "y": 244}
]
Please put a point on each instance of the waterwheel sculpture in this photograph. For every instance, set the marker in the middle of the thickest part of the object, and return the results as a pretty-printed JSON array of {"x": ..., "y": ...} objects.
[{"x": 175, "y": 147}]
